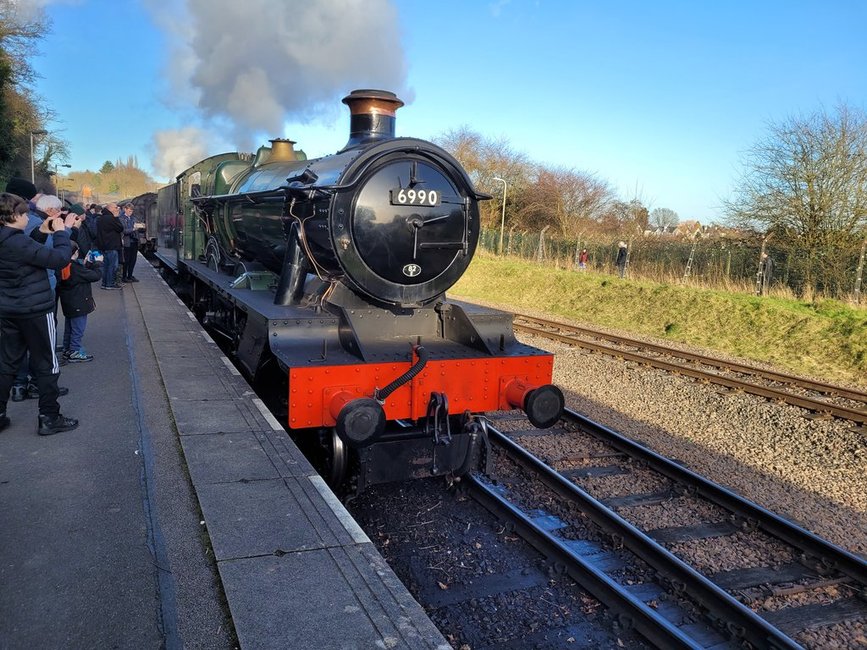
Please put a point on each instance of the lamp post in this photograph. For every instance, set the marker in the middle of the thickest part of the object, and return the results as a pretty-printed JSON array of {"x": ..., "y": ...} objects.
[
  {"x": 71, "y": 180},
  {"x": 58, "y": 179},
  {"x": 32, "y": 163},
  {"x": 503, "y": 218}
]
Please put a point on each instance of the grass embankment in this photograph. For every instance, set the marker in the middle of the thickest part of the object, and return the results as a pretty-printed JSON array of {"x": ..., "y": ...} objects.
[{"x": 825, "y": 338}]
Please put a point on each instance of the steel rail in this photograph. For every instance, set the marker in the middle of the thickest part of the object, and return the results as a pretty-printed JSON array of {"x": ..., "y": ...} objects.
[
  {"x": 801, "y": 382},
  {"x": 830, "y": 555},
  {"x": 811, "y": 404},
  {"x": 736, "y": 618},
  {"x": 643, "y": 618}
]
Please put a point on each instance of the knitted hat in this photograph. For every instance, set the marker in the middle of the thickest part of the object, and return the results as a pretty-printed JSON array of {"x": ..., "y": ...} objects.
[
  {"x": 76, "y": 208},
  {"x": 22, "y": 187}
]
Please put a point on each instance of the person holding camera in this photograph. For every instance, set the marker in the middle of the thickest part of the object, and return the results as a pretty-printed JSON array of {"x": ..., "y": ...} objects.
[
  {"x": 27, "y": 305},
  {"x": 76, "y": 298},
  {"x": 131, "y": 230},
  {"x": 110, "y": 242}
]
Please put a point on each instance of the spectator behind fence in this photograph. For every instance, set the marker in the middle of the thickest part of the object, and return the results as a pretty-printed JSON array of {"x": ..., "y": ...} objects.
[
  {"x": 767, "y": 271},
  {"x": 26, "y": 309},
  {"x": 622, "y": 256}
]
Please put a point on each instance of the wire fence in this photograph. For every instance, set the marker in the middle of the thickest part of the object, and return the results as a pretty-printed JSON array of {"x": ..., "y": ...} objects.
[{"x": 716, "y": 263}]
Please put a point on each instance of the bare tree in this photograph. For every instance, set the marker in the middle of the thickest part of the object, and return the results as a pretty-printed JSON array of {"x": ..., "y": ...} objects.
[
  {"x": 568, "y": 199},
  {"x": 664, "y": 218},
  {"x": 21, "y": 110},
  {"x": 486, "y": 159},
  {"x": 806, "y": 182},
  {"x": 18, "y": 31}
]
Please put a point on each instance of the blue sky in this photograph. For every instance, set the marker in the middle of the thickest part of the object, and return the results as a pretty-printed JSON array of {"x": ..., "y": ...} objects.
[{"x": 659, "y": 98}]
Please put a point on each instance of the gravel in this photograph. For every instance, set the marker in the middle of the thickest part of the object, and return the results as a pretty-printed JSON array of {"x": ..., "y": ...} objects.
[{"x": 811, "y": 471}]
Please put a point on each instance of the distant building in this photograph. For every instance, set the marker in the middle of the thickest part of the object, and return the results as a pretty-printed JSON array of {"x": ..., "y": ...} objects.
[{"x": 687, "y": 229}]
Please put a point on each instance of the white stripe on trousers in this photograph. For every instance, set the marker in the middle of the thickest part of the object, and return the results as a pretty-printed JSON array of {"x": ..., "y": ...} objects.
[{"x": 52, "y": 338}]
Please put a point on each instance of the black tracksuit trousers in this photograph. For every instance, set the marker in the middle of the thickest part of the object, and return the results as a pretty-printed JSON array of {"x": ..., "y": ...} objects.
[{"x": 38, "y": 335}]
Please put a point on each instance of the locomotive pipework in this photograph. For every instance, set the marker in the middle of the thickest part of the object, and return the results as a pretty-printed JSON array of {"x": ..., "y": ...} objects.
[{"x": 331, "y": 273}]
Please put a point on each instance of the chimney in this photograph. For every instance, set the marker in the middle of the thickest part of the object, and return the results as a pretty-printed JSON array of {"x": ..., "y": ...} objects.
[{"x": 372, "y": 116}]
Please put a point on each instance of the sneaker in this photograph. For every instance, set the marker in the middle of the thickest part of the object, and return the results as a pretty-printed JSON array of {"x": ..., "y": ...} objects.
[
  {"x": 80, "y": 356},
  {"x": 51, "y": 424},
  {"x": 32, "y": 391},
  {"x": 4, "y": 421},
  {"x": 132, "y": 279},
  {"x": 19, "y": 393},
  {"x": 65, "y": 353}
]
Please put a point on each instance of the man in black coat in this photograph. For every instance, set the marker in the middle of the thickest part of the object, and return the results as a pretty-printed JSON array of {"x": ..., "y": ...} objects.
[
  {"x": 110, "y": 241},
  {"x": 27, "y": 309}
]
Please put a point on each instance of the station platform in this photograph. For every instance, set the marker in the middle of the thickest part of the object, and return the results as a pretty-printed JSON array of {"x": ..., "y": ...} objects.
[{"x": 179, "y": 513}]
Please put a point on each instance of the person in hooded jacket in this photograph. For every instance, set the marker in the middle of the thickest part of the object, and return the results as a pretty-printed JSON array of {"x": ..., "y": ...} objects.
[
  {"x": 27, "y": 309},
  {"x": 24, "y": 387},
  {"x": 76, "y": 299}
]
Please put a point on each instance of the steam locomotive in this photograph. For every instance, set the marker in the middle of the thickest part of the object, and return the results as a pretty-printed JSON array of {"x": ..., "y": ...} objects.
[{"x": 325, "y": 280}]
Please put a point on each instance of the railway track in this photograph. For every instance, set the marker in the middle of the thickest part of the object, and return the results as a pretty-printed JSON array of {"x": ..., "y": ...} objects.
[
  {"x": 682, "y": 560},
  {"x": 835, "y": 401}
]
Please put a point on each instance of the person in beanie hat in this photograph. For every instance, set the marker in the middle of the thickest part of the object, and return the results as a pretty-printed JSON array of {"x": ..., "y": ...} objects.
[{"x": 21, "y": 187}]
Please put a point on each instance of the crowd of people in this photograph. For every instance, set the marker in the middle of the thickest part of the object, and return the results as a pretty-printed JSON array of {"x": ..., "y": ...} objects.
[{"x": 50, "y": 255}]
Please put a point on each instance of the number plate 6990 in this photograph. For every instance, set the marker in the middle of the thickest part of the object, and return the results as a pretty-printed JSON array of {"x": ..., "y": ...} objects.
[{"x": 404, "y": 196}]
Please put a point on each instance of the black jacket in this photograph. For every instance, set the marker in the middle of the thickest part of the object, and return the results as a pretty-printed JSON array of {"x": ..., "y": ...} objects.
[
  {"x": 24, "y": 288},
  {"x": 86, "y": 235},
  {"x": 76, "y": 296},
  {"x": 109, "y": 235}
]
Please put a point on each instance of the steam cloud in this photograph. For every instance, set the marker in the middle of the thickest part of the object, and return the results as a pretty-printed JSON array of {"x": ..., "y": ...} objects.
[
  {"x": 177, "y": 149},
  {"x": 246, "y": 67},
  {"x": 29, "y": 8}
]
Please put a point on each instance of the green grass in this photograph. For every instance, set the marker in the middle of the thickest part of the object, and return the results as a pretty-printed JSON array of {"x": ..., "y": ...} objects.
[{"x": 825, "y": 338}]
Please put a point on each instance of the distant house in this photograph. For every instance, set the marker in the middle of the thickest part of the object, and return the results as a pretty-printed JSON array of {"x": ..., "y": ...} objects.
[
  {"x": 659, "y": 231},
  {"x": 688, "y": 229}
]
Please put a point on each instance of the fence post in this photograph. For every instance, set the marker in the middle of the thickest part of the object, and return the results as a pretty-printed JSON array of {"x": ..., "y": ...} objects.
[
  {"x": 628, "y": 256},
  {"x": 759, "y": 269},
  {"x": 860, "y": 273},
  {"x": 509, "y": 245}
]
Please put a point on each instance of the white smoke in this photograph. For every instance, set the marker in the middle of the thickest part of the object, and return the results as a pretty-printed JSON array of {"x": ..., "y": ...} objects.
[
  {"x": 28, "y": 9},
  {"x": 258, "y": 63},
  {"x": 177, "y": 149}
]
